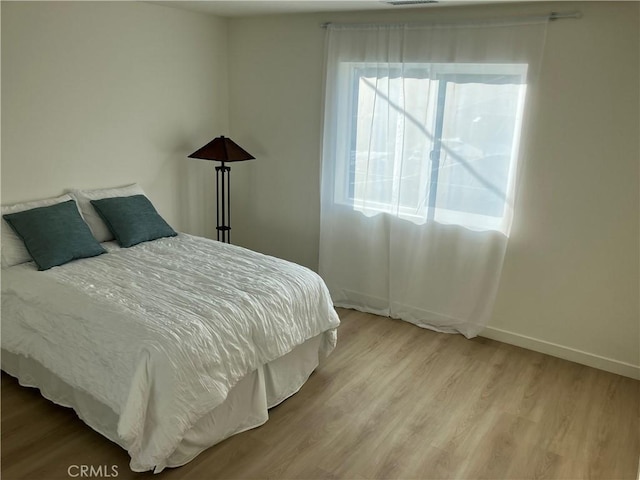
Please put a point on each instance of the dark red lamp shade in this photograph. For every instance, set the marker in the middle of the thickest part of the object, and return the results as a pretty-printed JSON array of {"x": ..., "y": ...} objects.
[{"x": 222, "y": 149}]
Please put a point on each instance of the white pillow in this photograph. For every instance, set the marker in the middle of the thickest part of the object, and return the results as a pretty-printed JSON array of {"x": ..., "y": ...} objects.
[
  {"x": 13, "y": 250},
  {"x": 93, "y": 219}
]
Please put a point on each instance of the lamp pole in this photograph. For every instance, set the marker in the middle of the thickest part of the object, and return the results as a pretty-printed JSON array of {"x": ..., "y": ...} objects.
[{"x": 223, "y": 203}]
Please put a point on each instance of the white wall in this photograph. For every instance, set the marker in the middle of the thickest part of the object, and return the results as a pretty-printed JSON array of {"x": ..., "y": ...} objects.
[
  {"x": 570, "y": 285},
  {"x": 99, "y": 94}
]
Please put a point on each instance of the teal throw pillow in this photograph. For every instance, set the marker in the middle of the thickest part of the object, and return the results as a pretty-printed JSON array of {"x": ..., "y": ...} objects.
[
  {"x": 132, "y": 220},
  {"x": 54, "y": 235}
]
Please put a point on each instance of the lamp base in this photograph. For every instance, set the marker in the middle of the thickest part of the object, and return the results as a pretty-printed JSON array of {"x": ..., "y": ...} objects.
[{"x": 223, "y": 233}]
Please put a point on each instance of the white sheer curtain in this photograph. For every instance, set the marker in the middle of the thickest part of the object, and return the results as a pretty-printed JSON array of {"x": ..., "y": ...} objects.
[{"x": 421, "y": 154}]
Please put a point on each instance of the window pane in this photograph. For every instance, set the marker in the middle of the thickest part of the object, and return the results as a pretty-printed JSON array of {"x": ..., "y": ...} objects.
[
  {"x": 373, "y": 176},
  {"x": 477, "y": 145},
  {"x": 391, "y": 142}
]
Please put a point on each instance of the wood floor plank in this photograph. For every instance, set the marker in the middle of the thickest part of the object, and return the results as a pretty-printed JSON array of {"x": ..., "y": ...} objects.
[{"x": 392, "y": 401}]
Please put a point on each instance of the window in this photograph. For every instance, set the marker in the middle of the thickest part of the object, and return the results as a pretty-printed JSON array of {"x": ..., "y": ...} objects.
[{"x": 431, "y": 142}]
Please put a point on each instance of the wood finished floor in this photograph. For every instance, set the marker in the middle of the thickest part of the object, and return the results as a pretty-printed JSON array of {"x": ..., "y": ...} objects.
[{"x": 393, "y": 401}]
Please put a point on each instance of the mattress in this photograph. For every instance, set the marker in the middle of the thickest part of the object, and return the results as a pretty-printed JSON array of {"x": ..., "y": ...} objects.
[{"x": 161, "y": 333}]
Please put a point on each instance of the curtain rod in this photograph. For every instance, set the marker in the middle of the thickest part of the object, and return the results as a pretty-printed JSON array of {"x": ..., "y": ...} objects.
[{"x": 530, "y": 18}]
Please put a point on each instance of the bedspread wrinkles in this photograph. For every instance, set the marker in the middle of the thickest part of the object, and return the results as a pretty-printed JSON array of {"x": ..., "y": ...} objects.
[{"x": 161, "y": 332}]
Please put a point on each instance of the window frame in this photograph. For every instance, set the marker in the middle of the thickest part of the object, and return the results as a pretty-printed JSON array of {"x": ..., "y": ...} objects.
[{"x": 442, "y": 73}]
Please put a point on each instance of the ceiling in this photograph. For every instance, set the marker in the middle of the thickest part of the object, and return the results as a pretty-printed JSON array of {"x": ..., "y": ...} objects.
[{"x": 239, "y": 8}]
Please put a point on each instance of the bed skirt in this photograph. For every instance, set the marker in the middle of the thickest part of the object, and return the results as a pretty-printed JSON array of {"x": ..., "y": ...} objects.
[{"x": 246, "y": 406}]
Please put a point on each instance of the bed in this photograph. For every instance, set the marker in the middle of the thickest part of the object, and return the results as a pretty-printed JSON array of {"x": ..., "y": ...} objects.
[{"x": 169, "y": 346}]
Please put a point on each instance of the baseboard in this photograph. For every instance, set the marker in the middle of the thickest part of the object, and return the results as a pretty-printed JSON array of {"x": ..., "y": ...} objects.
[{"x": 560, "y": 351}]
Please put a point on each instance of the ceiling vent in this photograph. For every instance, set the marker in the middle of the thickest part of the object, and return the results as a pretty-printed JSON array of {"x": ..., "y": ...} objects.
[{"x": 409, "y": 2}]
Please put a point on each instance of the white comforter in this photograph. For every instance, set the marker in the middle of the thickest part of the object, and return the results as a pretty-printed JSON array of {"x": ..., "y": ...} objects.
[{"x": 161, "y": 332}]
